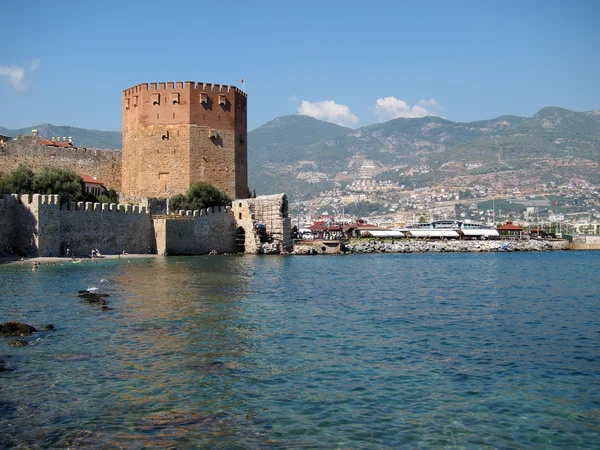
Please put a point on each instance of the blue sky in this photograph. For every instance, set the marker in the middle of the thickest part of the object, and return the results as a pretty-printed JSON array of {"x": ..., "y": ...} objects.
[{"x": 352, "y": 63}]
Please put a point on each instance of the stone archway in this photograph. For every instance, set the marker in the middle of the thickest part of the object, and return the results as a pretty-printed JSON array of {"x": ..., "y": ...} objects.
[{"x": 240, "y": 240}]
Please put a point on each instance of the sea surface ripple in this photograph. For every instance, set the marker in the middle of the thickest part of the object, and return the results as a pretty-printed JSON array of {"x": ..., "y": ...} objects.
[{"x": 361, "y": 351}]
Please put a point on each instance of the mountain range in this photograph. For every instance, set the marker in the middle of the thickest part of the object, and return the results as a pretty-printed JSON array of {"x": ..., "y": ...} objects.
[{"x": 304, "y": 156}]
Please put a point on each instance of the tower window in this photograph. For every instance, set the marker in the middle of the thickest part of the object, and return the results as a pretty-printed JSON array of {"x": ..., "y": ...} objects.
[
  {"x": 222, "y": 99},
  {"x": 203, "y": 97},
  {"x": 156, "y": 98},
  {"x": 175, "y": 97}
]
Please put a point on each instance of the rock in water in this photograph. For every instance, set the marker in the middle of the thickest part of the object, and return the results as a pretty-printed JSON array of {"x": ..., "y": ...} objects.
[
  {"x": 93, "y": 298},
  {"x": 16, "y": 329}
]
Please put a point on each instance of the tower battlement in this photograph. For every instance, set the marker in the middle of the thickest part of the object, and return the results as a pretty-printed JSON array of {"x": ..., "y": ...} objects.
[{"x": 174, "y": 86}]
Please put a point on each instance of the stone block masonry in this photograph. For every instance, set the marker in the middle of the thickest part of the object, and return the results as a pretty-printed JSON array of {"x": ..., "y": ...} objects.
[
  {"x": 196, "y": 232},
  {"x": 39, "y": 225},
  {"x": 175, "y": 134},
  {"x": 105, "y": 165},
  {"x": 263, "y": 220}
]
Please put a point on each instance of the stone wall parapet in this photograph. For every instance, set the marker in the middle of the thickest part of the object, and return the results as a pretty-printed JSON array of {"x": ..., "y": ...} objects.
[{"x": 172, "y": 86}]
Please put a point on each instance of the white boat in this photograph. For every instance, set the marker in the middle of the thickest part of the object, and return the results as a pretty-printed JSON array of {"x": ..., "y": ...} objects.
[{"x": 451, "y": 229}]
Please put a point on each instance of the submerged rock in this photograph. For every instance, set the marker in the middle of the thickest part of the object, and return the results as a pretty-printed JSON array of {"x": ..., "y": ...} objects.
[
  {"x": 16, "y": 329},
  {"x": 17, "y": 343},
  {"x": 93, "y": 298}
]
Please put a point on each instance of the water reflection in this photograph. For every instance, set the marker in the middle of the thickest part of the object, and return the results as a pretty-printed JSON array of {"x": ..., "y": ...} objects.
[{"x": 327, "y": 352}]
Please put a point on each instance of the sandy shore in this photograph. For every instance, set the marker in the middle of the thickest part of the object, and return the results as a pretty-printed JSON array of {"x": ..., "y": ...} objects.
[{"x": 43, "y": 260}]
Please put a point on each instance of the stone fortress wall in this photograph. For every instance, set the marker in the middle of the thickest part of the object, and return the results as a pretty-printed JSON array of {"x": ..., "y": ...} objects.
[
  {"x": 263, "y": 220},
  {"x": 105, "y": 165},
  {"x": 193, "y": 232},
  {"x": 39, "y": 225}
]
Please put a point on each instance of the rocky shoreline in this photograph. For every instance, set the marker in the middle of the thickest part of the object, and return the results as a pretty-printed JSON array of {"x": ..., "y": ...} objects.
[
  {"x": 425, "y": 246},
  {"x": 422, "y": 246}
]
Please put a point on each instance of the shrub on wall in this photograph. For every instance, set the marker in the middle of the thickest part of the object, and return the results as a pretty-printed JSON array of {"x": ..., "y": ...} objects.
[{"x": 201, "y": 195}]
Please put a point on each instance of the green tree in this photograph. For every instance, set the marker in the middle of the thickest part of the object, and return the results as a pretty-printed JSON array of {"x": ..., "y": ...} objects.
[
  {"x": 52, "y": 181},
  {"x": 110, "y": 197},
  {"x": 19, "y": 181},
  {"x": 201, "y": 195}
]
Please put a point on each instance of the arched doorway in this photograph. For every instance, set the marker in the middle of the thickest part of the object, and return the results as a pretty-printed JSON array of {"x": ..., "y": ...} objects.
[{"x": 240, "y": 240}]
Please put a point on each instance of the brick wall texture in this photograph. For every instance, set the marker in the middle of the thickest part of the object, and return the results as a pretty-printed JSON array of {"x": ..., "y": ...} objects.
[{"x": 175, "y": 134}]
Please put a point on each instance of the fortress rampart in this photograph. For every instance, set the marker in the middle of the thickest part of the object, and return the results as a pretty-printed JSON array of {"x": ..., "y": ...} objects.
[
  {"x": 105, "y": 165},
  {"x": 39, "y": 225},
  {"x": 195, "y": 232}
]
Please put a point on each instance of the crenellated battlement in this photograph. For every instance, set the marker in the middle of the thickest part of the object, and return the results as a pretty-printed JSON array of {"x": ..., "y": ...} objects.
[
  {"x": 32, "y": 200},
  {"x": 185, "y": 86},
  {"x": 8, "y": 200},
  {"x": 192, "y": 215},
  {"x": 207, "y": 211},
  {"x": 104, "y": 208}
]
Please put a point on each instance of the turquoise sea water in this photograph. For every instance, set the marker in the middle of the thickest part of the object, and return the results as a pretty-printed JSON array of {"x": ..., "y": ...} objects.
[{"x": 351, "y": 352}]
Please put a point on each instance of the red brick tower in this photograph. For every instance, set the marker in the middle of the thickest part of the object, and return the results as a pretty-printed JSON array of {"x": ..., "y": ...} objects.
[{"x": 175, "y": 134}]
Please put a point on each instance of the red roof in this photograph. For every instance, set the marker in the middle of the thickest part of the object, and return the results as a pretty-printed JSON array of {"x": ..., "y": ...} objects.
[
  {"x": 89, "y": 180},
  {"x": 55, "y": 144},
  {"x": 508, "y": 226},
  {"x": 317, "y": 226}
]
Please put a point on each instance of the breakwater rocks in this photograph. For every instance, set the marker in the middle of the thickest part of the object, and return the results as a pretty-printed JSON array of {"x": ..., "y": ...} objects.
[{"x": 423, "y": 246}]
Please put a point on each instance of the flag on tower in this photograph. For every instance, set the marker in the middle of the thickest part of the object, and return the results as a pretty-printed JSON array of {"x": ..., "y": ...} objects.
[{"x": 243, "y": 80}]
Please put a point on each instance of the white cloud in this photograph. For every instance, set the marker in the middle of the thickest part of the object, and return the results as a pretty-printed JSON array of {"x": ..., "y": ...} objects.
[
  {"x": 388, "y": 108},
  {"x": 329, "y": 111},
  {"x": 15, "y": 76}
]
